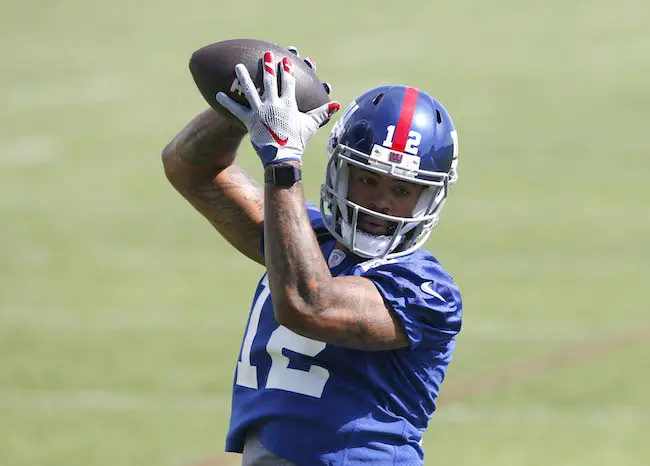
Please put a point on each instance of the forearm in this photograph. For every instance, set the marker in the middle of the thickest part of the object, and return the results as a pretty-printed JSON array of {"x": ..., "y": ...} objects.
[
  {"x": 202, "y": 149},
  {"x": 297, "y": 271},
  {"x": 199, "y": 163}
]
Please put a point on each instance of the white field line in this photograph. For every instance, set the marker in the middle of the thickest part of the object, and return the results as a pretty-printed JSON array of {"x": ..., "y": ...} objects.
[{"x": 107, "y": 400}]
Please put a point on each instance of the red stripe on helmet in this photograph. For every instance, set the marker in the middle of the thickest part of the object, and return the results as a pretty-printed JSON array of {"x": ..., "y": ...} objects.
[{"x": 405, "y": 119}]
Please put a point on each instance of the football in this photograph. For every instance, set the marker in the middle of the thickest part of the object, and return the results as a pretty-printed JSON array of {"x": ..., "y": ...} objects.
[{"x": 213, "y": 70}]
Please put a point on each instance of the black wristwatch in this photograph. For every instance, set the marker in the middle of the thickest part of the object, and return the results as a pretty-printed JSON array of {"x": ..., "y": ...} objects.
[{"x": 283, "y": 176}]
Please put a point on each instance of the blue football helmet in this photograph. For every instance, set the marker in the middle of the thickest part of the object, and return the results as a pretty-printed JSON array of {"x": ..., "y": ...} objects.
[{"x": 400, "y": 132}]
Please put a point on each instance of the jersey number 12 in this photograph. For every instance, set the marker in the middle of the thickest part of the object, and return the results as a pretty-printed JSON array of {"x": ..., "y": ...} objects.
[{"x": 311, "y": 382}]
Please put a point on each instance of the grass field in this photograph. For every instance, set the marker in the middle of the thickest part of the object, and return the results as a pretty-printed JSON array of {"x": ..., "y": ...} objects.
[{"x": 121, "y": 312}]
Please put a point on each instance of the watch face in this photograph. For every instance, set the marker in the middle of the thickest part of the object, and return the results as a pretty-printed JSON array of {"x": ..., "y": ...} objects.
[{"x": 285, "y": 176}]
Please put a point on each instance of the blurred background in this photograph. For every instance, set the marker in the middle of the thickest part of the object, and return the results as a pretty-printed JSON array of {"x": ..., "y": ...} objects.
[{"x": 122, "y": 312}]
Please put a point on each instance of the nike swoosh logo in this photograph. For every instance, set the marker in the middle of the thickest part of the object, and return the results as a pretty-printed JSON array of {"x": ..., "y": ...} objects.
[
  {"x": 427, "y": 288},
  {"x": 275, "y": 137}
]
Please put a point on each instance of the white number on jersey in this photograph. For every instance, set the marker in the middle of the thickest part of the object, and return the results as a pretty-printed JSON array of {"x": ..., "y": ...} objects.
[
  {"x": 412, "y": 143},
  {"x": 311, "y": 382}
]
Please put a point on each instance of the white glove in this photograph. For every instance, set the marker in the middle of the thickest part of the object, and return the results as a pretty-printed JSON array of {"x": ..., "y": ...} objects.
[{"x": 278, "y": 130}]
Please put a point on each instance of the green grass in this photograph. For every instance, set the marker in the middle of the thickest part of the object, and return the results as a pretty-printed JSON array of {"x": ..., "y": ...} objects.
[{"x": 121, "y": 312}]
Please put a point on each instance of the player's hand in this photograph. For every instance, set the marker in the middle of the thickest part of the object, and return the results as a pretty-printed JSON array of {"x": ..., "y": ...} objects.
[{"x": 278, "y": 130}]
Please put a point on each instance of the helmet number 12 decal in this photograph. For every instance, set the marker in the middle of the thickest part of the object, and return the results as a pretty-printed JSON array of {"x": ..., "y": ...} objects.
[{"x": 412, "y": 143}]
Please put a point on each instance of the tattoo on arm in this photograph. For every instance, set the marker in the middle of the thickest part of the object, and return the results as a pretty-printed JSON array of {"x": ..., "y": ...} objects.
[
  {"x": 357, "y": 317},
  {"x": 234, "y": 204},
  {"x": 207, "y": 137},
  {"x": 295, "y": 264}
]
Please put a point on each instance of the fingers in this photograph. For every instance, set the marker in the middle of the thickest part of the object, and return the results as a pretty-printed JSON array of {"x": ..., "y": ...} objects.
[
  {"x": 248, "y": 87},
  {"x": 270, "y": 79},
  {"x": 308, "y": 60},
  {"x": 241, "y": 112},
  {"x": 288, "y": 80},
  {"x": 310, "y": 63},
  {"x": 322, "y": 114}
]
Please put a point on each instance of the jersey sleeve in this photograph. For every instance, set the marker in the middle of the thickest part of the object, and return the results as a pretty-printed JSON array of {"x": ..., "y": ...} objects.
[{"x": 425, "y": 299}]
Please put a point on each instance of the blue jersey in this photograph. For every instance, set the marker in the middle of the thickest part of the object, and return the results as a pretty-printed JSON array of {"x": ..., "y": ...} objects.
[{"x": 314, "y": 403}]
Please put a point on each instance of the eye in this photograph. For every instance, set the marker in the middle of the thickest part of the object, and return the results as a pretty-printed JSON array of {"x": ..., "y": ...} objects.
[
  {"x": 402, "y": 192},
  {"x": 368, "y": 180}
]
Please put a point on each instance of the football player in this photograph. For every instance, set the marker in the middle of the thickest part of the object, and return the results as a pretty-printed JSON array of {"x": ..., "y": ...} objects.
[{"x": 353, "y": 325}]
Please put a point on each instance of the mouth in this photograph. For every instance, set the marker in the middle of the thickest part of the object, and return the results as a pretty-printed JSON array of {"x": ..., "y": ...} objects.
[{"x": 374, "y": 226}]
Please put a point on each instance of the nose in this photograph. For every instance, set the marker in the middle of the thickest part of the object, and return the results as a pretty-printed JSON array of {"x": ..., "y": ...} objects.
[
  {"x": 382, "y": 199},
  {"x": 381, "y": 203}
]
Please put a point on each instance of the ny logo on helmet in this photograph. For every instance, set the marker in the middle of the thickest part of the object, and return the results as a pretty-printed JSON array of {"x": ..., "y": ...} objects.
[{"x": 395, "y": 157}]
